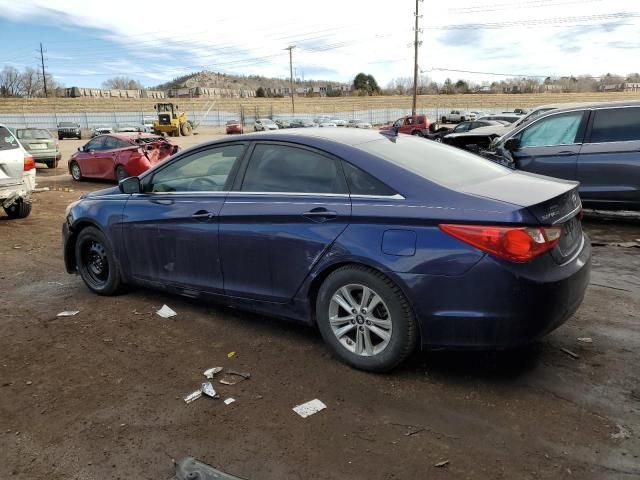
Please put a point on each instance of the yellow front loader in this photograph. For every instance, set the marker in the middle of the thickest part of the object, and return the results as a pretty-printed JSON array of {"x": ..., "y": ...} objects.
[{"x": 171, "y": 121}]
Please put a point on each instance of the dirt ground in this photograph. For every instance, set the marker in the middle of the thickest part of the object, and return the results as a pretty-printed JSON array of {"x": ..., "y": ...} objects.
[{"x": 99, "y": 395}]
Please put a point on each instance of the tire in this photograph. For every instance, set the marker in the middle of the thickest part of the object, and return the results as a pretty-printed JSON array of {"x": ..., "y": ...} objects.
[
  {"x": 76, "y": 173},
  {"x": 438, "y": 139},
  {"x": 417, "y": 133},
  {"x": 52, "y": 164},
  {"x": 96, "y": 264},
  {"x": 444, "y": 119},
  {"x": 60, "y": 137},
  {"x": 121, "y": 173},
  {"x": 461, "y": 119},
  {"x": 19, "y": 209},
  {"x": 393, "y": 309},
  {"x": 185, "y": 129}
]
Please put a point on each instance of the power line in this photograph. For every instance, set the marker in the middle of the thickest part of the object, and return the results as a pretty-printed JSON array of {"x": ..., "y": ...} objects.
[
  {"x": 514, "y": 75},
  {"x": 517, "y": 5}
]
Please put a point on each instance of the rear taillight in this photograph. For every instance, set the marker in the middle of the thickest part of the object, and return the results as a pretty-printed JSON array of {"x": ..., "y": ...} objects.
[
  {"x": 517, "y": 244},
  {"x": 29, "y": 163}
]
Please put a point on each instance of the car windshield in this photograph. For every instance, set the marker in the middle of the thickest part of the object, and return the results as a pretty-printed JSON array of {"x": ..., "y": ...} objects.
[
  {"x": 447, "y": 166},
  {"x": 7, "y": 140},
  {"x": 33, "y": 133},
  {"x": 265, "y": 120},
  {"x": 67, "y": 124}
]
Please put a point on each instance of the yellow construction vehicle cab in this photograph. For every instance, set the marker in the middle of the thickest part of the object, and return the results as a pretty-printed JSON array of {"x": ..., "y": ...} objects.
[{"x": 171, "y": 121}]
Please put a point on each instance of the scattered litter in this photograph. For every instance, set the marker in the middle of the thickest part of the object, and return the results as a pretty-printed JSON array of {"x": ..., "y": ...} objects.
[
  {"x": 229, "y": 401},
  {"x": 570, "y": 353},
  {"x": 17, "y": 247},
  {"x": 444, "y": 463},
  {"x": 136, "y": 312},
  {"x": 585, "y": 339},
  {"x": 307, "y": 409},
  {"x": 212, "y": 371},
  {"x": 166, "y": 312},
  {"x": 193, "y": 396},
  {"x": 29, "y": 382},
  {"x": 189, "y": 468},
  {"x": 56, "y": 283},
  {"x": 208, "y": 390},
  {"x": 238, "y": 377},
  {"x": 413, "y": 432},
  {"x": 231, "y": 354},
  {"x": 622, "y": 433},
  {"x": 68, "y": 313},
  {"x": 38, "y": 190}
]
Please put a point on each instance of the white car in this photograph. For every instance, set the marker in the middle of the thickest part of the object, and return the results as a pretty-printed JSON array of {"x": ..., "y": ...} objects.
[
  {"x": 455, "y": 116},
  {"x": 339, "y": 122},
  {"x": 17, "y": 176},
  {"x": 101, "y": 130},
  {"x": 363, "y": 124},
  {"x": 327, "y": 123},
  {"x": 147, "y": 124},
  {"x": 263, "y": 124}
]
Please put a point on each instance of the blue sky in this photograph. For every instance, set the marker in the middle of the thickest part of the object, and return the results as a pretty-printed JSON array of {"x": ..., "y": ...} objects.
[{"x": 88, "y": 42}]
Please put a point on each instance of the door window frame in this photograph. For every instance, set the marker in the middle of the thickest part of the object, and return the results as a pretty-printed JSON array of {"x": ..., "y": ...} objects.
[{"x": 147, "y": 180}]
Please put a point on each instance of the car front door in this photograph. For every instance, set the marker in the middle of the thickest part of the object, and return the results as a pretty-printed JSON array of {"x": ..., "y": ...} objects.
[
  {"x": 609, "y": 162},
  {"x": 104, "y": 161},
  {"x": 170, "y": 230},
  {"x": 286, "y": 210},
  {"x": 550, "y": 146},
  {"x": 88, "y": 156}
]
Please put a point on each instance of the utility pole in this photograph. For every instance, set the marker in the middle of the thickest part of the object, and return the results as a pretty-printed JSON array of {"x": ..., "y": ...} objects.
[
  {"x": 415, "y": 60},
  {"x": 293, "y": 105},
  {"x": 44, "y": 77}
]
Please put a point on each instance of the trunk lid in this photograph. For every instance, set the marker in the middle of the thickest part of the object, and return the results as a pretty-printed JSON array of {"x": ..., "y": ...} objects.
[
  {"x": 11, "y": 159},
  {"x": 553, "y": 202}
]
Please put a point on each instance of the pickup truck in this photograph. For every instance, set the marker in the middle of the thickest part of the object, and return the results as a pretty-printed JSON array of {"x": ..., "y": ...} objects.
[
  {"x": 17, "y": 176},
  {"x": 455, "y": 116},
  {"x": 411, "y": 125}
]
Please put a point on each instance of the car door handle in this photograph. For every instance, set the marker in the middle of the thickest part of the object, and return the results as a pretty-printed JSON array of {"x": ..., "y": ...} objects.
[
  {"x": 566, "y": 153},
  {"x": 320, "y": 214},
  {"x": 162, "y": 201},
  {"x": 203, "y": 215}
]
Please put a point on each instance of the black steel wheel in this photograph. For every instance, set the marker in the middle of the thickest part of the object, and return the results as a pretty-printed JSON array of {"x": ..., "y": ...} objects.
[{"x": 96, "y": 263}]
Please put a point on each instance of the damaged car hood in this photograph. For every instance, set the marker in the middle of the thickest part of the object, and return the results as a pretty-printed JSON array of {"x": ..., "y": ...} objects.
[{"x": 488, "y": 131}]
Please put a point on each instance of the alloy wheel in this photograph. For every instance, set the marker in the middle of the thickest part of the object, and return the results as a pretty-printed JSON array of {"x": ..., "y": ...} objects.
[{"x": 360, "y": 320}]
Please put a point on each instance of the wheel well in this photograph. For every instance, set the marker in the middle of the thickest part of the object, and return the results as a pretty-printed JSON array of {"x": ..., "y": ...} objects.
[{"x": 70, "y": 257}]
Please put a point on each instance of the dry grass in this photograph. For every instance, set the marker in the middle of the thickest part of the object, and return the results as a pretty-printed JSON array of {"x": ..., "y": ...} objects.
[{"x": 308, "y": 105}]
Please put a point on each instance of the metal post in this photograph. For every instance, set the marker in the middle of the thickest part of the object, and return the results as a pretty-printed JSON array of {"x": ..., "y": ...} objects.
[
  {"x": 293, "y": 105},
  {"x": 44, "y": 77},
  {"x": 415, "y": 62}
]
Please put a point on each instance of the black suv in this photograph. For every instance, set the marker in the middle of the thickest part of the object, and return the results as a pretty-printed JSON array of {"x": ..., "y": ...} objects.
[
  {"x": 596, "y": 144},
  {"x": 69, "y": 130}
]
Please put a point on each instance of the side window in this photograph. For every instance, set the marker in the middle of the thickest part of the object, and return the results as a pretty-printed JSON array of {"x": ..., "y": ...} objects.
[
  {"x": 462, "y": 127},
  {"x": 616, "y": 125},
  {"x": 556, "y": 130},
  {"x": 420, "y": 120},
  {"x": 361, "y": 183},
  {"x": 95, "y": 144},
  {"x": 203, "y": 171},
  {"x": 281, "y": 168},
  {"x": 111, "y": 142}
]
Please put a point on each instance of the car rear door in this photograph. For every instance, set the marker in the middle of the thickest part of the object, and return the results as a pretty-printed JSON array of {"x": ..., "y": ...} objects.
[
  {"x": 550, "y": 146},
  {"x": 11, "y": 159},
  {"x": 286, "y": 209},
  {"x": 170, "y": 231},
  {"x": 609, "y": 162}
]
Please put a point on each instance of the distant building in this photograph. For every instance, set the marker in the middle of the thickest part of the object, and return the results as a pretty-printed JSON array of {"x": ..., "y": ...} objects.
[
  {"x": 621, "y": 87},
  {"x": 550, "y": 88}
]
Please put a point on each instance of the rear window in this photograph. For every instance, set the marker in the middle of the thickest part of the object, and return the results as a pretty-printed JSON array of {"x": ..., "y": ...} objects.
[
  {"x": 7, "y": 140},
  {"x": 447, "y": 166},
  {"x": 616, "y": 125},
  {"x": 38, "y": 133}
]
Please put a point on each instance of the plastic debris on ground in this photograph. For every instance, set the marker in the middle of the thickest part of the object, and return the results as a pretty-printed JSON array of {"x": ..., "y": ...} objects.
[
  {"x": 236, "y": 377},
  {"x": 229, "y": 401},
  {"x": 622, "y": 434},
  {"x": 444, "y": 463},
  {"x": 212, "y": 371},
  {"x": 231, "y": 354},
  {"x": 585, "y": 340},
  {"x": 208, "y": 390},
  {"x": 570, "y": 353},
  {"x": 192, "y": 397},
  {"x": 309, "y": 408},
  {"x": 68, "y": 313},
  {"x": 189, "y": 469},
  {"x": 166, "y": 312}
]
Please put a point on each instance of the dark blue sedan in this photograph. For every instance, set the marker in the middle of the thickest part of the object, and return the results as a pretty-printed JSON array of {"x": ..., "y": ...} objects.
[{"x": 384, "y": 242}]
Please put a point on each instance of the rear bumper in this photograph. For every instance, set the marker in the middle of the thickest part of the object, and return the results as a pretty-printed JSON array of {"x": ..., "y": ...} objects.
[
  {"x": 498, "y": 304},
  {"x": 45, "y": 155},
  {"x": 68, "y": 134}
]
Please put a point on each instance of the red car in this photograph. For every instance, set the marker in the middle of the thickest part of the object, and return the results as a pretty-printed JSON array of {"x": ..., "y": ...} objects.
[
  {"x": 118, "y": 156},
  {"x": 412, "y": 125},
  {"x": 234, "y": 126}
]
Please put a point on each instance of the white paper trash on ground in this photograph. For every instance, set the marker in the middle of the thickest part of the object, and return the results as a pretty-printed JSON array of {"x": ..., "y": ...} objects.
[
  {"x": 309, "y": 408},
  {"x": 229, "y": 401},
  {"x": 68, "y": 313},
  {"x": 166, "y": 312},
  {"x": 192, "y": 397}
]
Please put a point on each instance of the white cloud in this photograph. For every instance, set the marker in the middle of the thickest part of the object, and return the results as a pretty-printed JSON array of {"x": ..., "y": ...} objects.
[{"x": 337, "y": 39}]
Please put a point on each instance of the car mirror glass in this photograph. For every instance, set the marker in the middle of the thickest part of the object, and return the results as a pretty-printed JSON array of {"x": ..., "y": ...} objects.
[
  {"x": 512, "y": 144},
  {"x": 130, "y": 185}
]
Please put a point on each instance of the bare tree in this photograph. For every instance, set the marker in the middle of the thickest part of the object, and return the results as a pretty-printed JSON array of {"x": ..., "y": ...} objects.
[
  {"x": 30, "y": 83},
  {"x": 122, "y": 83},
  {"x": 9, "y": 82}
]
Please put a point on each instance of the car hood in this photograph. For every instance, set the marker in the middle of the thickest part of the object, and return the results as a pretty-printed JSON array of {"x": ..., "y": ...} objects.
[
  {"x": 100, "y": 193},
  {"x": 490, "y": 130}
]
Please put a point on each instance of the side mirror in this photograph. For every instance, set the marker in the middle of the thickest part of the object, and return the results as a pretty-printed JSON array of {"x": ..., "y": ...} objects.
[
  {"x": 512, "y": 144},
  {"x": 81, "y": 149},
  {"x": 130, "y": 185}
]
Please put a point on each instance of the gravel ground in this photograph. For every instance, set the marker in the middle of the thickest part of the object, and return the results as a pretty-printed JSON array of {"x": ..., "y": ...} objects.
[{"x": 99, "y": 395}]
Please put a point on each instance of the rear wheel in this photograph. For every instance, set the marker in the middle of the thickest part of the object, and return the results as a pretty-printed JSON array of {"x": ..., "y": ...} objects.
[
  {"x": 417, "y": 133},
  {"x": 19, "y": 209},
  {"x": 52, "y": 164},
  {"x": 365, "y": 319},
  {"x": 462, "y": 119},
  {"x": 121, "y": 173},
  {"x": 76, "y": 173},
  {"x": 444, "y": 119},
  {"x": 96, "y": 263}
]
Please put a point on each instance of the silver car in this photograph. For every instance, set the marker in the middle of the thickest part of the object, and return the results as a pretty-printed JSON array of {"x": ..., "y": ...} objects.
[
  {"x": 42, "y": 146},
  {"x": 263, "y": 124}
]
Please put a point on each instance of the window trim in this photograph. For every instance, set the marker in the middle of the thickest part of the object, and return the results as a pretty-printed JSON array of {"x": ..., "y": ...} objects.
[
  {"x": 592, "y": 118},
  {"x": 239, "y": 180},
  {"x": 147, "y": 179}
]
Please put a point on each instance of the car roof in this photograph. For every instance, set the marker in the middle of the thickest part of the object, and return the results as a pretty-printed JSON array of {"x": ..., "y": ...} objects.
[
  {"x": 127, "y": 136},
  {"x": 594, "y": 105},
  {"x": 344, "y": 136}
]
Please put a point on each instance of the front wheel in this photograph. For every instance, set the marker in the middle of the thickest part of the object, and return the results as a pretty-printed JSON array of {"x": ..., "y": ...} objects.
[
  {"x": 365, "y": 319},
  {"x": 185, "y": 129},
  {"x": 18, "y": 209},
  {"x": 417, "y": 133},
  {"x": 96, "y": 264},
  {"x": 76, "y": 173}
]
